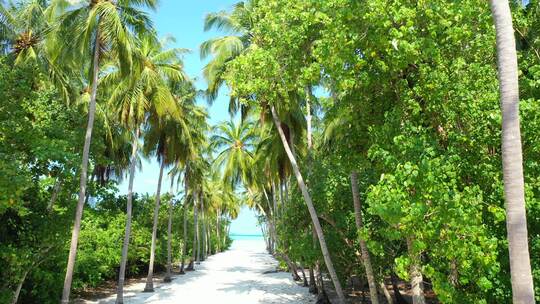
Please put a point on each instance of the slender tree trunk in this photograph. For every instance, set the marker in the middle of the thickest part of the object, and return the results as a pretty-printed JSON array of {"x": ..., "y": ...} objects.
[
  {"x": 225, "y": 235},
  {"x": 281, "y": 200},
  {"x": 311, "y": 208},
  {"x": 150, "y": 278},
  {"x": 312, "y": 283},
  {"x": 417, "y": 280},
  {"x": 512, "y": 157},
  {"x": 386, "y": 293},
  {"x": 84, "y": 170},
  {"x": 168, "y": 275},
  {"x": 186, "y": 202},
  {"x": 292, "y": 146},
  {"x": 203, "y": 222},
  {"x": 266, "y": 236},
  {"x": 292, "y": 267},
  {"x": 274, "y": 199},
  {"x": 19, "y": 287},
  {"x": 208, "y": 238},
  {"x": 271, "y": 227},
  {"x": 308, "y": 118},
  {"x": 125, "y": 246},
  {"x": 273, "y": 236},
  {"x": 217, "y": 231},
  {"x": 304, "y": 278},
  {"x": 184, "y": 245},
  {"x": 286, "y": 191},
  {"x": 197, "y": 236},
  {"x": 56, "y": 191},
  {"x": 363, "y": 247},
  {"x": 454, "y": 275},
  {"x": 323, "y": 296}
]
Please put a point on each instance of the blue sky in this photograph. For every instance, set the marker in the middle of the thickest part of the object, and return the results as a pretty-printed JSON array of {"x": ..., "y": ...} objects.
[{"x": 184, "y": 20}]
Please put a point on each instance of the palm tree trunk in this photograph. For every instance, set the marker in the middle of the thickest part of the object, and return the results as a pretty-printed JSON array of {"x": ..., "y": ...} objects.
[
  {"x": 150, "y": 278},
  {"x": 281, "y": 198},
  {"x": 195, "y": 231},
  {"x": 286, "y": 191},
  {"x": 386, "y": 293},
  {"x": 84, "y": 171},
  {"x": 203, "y": 222},
  {"x": 308, "y": 118},
  {"x": 311, "y": 209},
  {"x": 218, "y": 215},
  {"x": 304, "y": 278},
  {"x": 209, "y": 239},
  {"x": 19, "y": 286},
  {"x": 363, "y": 247},
  {"x": 417, "y": 280},
  {"x": 271, "y": 227},
  {"x": 184, "y": 247},
  {"x": 168, "y": 275},
  {"x": 512, "y": 158},
  {"x": 125, "y": 246},
  {"x": 312, "y": 284},
  {"x": 274, "y": 200}
]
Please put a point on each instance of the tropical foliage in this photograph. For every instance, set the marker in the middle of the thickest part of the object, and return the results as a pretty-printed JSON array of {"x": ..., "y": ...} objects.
[{"x": 378, "y": 141}]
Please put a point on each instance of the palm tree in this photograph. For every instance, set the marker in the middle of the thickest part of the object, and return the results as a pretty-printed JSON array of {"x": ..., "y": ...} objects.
[
  {"x": 309, "y": 203},
  {"x": 363, "y": 246},
  {"x": 165, "y": 135},
  {"x": 194, "y": 172},
  {"x": 27, "y": 36},
  {"x": 169, "y": 139},
  {"x": 92, "y": 27},
  {"x": 512, "y": 157},
  {"x": 198, "y": 126},
  {"x": 238, "y": 24},
  {"x": 219, "y": 197},
  {"x": 234, "y": 143},
  {"x": 134, "y": 98}
]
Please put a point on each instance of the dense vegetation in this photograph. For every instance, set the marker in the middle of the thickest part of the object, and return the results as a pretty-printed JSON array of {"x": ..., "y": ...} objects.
[
  {"x": 46, "y": 96},
  {"x": 382, "y": 117}
]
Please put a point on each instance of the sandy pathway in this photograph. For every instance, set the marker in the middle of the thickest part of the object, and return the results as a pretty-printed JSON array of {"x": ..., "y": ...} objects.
[{"x": 232, "y": 277}]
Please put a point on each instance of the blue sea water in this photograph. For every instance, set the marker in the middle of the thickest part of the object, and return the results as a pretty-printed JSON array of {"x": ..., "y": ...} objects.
[{"x": 254, "y": 237}]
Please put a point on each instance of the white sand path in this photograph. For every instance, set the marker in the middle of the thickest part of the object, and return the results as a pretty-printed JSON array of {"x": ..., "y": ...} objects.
[{"x": 232, "y": 277}]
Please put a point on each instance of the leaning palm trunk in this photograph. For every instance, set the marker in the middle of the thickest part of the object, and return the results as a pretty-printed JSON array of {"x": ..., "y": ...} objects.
[
  {"x": 363, "y": 247},
  {"x": 84, "y": 171},
  {"x": 150, "y": 278},
  {"x": 15, "y": 298},
  {"x": 386, "y": 293},
  {"x": 123, "y": 261},
  {"x": 417, "y": 279},
  {"x": 311, "y": 208},
  {"x": 512, "y": 158},
  {"x": 168, "y": 275}
]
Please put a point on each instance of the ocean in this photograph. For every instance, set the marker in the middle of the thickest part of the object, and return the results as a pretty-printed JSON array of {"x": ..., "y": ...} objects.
[{"x": 247, "y": 237}]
